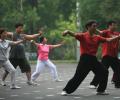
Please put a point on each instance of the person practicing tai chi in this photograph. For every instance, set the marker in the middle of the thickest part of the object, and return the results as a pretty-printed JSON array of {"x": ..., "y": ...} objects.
[
  {"x": 110, "y": 54},
  {"x": 17, "y": 53},
  {"x": 43, "y": 59},
  {"x": 89, "y": 43},
  {"x": 4, "y": 60}
]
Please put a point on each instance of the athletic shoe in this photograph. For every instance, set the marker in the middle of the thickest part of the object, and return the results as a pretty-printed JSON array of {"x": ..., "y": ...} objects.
[
  {"x": 14, "y": 87},
  {"x": 102, "y": 93},
  {"x": 64, "y": 93},
  {"x": 31, "y": 83},
  {"x": 92, "y": 87},
  {"x": 58, "y": 80},
  {"x": 3, "y": 83}
]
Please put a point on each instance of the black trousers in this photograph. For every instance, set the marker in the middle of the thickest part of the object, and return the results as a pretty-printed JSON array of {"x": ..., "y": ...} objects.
[
  {"x": 85, "y": 65},
  {"x": 112, "y": 62}
]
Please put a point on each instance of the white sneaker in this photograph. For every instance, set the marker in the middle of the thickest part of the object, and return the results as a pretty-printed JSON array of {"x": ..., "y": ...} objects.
[
  {"x": 92, "y": 87},
  {"x": 14, "y": 87},
  {"x": 63, "y": 93},
  {"x": 3, "y": 83},
  {"x": 58, "y": 80}
]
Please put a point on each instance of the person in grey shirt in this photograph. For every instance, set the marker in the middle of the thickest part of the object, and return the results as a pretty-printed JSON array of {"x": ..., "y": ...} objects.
[
  {"x": 17, "y": 53},
  {"x": 4, "y": 61}
]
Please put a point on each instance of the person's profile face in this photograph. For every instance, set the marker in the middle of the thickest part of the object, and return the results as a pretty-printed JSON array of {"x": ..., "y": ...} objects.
[
  {"x": 4, "y": 35},
  {"x": 113, "y": 26},
  {"x": 45, "y": 40},
  {"x": 19, "y": 29},
  {"x": 93, "y": 27}
]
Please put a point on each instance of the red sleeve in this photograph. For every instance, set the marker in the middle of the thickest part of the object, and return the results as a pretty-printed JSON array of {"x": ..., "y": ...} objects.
[
  {"x": 79, "y": 36},
  {"x": 101, "y": 39},
  {"x": 117, "y": 33},
  {"x": 104, "y": 33}
]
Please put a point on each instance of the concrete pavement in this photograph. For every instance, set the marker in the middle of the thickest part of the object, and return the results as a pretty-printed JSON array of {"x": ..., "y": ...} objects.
[{"x": 50, "y": 90}]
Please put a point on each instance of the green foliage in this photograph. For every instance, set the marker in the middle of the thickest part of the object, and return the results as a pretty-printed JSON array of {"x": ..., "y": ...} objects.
[
  {"x": 90, "y": 9},
  {"x": 55, "y": 16},
  {"x": 69, "y": 48},
  {"x": 100, "y": 10},
  {"x": 32, "y": 19},
  {"x": 110, "y": 10},
  {"x": 34, "y": 13}
]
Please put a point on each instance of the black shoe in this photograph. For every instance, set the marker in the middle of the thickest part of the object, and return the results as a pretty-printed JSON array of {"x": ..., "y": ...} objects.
[
  {"x": 117, "y": 86},
  {"x": 102, "y": 93}
]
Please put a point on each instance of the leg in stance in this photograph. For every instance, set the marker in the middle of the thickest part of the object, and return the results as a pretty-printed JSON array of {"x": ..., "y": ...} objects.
[
  {"x": 5, "y": 74},
  {"x": 53, "y": 70},
  {"x": 102, "y": 74},
  {"x": 81, "y": 72},
  {"x": 39, "y": 68},
  {"x": 9, "y": 67}
]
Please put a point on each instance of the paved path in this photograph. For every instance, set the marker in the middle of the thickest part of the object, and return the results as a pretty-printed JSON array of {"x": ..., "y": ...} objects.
[{"x": 50, "y": 90}]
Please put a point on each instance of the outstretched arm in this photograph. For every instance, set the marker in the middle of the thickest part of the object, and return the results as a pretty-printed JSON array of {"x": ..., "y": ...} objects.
[
  {"x": 30, "y": 37},
  {"x": 57, "y": 45},
  {"x": 73, "y": 34},
  {"x": 99, "y": 31},
  {"x": 112, "y": 39},
  {"x": 33, "y": 42},
  {"x": 17, "y": 42},
  {"x": 68, "y": 32}
]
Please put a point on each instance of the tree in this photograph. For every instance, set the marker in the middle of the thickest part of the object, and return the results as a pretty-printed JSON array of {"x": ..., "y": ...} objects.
[
  {"x": 55, "y": 16},
  {"x": 110, "y": 9}
]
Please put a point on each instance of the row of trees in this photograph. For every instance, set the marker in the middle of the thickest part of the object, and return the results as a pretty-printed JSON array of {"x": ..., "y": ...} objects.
[
  {"x": 56, "y": 16},
  {"x": 100, "y": 10}
]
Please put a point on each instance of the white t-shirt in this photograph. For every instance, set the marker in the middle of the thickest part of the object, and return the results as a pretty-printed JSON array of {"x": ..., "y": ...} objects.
[{"x": 4, "y": 49}]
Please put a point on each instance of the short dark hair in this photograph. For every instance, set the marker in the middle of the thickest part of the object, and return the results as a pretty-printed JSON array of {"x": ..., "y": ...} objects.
[
  {"x": 41, "y": 39},
  {"x": 18, "y": 24},
  {"x": 111, "y": 22},
  {"x": 89, "y": 23},
  {"x": 1, "y": 31}
]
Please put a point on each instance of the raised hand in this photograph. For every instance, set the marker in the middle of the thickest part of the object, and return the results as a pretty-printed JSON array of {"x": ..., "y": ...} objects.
[
  {"x": 40, "y": 32},
  {"x": 32, "y": 41},
  {"x": 65, "y": 32}
]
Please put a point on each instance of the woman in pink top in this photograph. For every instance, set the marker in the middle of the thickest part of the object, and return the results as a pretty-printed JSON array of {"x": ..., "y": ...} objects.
[{"x": 43, "y": 59}]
